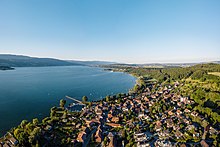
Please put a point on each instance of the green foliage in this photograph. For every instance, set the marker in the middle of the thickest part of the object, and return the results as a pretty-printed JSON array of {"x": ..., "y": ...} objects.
[
  {"x": 107, "y": 98},
  {"x": 199, "y": 74},
  {"x": 23, "y": 123},
  {"x": 105, "y": 141},
  {"x": 84, "y": 99},
  {"x": 35, "y": 121},
  {"x": 62, "y": 103}
]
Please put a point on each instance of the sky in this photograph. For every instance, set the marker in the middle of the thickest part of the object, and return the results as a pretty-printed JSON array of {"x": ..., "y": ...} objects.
[{"x": 127, "y": 31}]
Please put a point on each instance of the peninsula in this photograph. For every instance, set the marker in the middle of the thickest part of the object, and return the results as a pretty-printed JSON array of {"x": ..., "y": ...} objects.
[{"x": 6, "y": 68}]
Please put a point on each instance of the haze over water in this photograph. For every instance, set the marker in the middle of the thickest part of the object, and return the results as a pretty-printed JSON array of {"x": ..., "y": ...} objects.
[{"x": 30, "y": 92}]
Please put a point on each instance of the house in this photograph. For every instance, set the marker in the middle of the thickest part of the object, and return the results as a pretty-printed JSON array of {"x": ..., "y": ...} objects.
[
  {"x": 176, "y": 127},
  {"x": 110, "y": 116},
  {"x": 5, "y": 145},
  {"x": 187, "y": 111},
  {"x": 212, "y": 130},
  {"x": 98, "y": 135},
  {"x": 81, "y": 136},
  {"x": 169, "y": 123},
  {"x": 64, "y": 120},
  {"x": 160, "y": 92},
  {"x": 163, "y": 134},
  {"x": 98, "y": 110},
  {"x": 153, "y": 96},
  {"x": 158, "y": 126},
  {"x": 194, "y": 113},
  {"x": 178, "y": 112},
  {"x": 204, "y": 144},
  {"x": 184, "y": 99},
  {"x": 139, "y": 137},
  {"x": 182, "y": 145},
  {"x": 13, "y": 141},
  {"x": 78, "y": 125},
  {"x": 170, "y": 113},
  {"x": 142, "y": 139},
  {"x": 146, "y": 99},
  {"x": 141, "y": 114},
  {"x": 115, "y": 119},
  {"x": 48, "y": 128},
  {"x": 165, "y": 88},
  {"x": 124, "y": 108},
  {"x": 178, "y": 134},
  {"x": 190, "y": 127},
  {"x": 162, "y": 143},
  {"x": 111, "y": 139},
  {"x": 164, "y": 116},
  {"x": 179, "y": 104}
]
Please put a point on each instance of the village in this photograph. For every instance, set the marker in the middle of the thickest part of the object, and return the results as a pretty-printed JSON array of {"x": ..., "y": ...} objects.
[{"x": 158, "y": 116}]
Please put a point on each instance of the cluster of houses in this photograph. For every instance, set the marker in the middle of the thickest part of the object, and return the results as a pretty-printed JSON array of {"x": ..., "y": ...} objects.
[
  {"x": 159, "y": 116},
  {"x": 8, "y": 141},
  {"x": 154, "y": 128}
]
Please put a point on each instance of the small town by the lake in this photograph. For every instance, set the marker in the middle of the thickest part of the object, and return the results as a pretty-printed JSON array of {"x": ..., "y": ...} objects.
[{"x": 110, "y": 73}]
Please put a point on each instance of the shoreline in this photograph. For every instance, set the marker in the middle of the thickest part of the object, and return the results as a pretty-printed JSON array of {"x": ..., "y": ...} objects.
[{"x": 3, "y": 131}]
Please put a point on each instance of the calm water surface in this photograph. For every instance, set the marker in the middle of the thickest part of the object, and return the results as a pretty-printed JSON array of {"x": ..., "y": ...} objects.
[{"x": 30, "y": 92}]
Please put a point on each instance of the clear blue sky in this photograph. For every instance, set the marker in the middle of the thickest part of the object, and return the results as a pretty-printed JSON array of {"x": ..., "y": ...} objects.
[{"x": 131, "y": 31}]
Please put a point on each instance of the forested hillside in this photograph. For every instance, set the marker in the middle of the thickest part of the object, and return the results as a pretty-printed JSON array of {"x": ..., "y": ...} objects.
[{"x": 25, "y": 61}]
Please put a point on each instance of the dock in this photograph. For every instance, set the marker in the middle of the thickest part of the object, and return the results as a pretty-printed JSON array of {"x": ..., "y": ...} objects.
[{"x": 78, "y": 101}]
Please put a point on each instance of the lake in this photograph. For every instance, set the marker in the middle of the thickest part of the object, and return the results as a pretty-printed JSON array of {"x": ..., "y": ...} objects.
[{"x": 30, "y": 92}]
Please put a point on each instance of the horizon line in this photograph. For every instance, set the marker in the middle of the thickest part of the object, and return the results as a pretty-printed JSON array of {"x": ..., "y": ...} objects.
[{"x": 117, "y": 62}]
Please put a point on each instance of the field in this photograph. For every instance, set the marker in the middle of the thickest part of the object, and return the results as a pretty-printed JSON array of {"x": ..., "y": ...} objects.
[{"x": 214, "y": 73}]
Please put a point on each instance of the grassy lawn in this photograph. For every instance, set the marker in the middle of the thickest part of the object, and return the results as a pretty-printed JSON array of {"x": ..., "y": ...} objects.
[{"x": 214, "y": 73}]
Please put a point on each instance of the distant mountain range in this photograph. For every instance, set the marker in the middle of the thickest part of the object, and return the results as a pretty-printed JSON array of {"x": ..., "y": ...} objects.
[{"x": 26, "y": 61}]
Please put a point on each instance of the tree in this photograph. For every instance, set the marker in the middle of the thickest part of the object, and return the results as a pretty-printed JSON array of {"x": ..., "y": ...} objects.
[
  {"x": 68, "y": 140},
  {"x": 34, "y": 135},
  {"x": 107, "y": 98},
  {"x": 37, "y": 144},
  {"x": 35, "y": 121},
  {"x": 124, "y": 134},
  {"x": 29, "y": 127},
  {"x": 118, "y": 95},
  {"x": 23, "y": 123},
  {"x": 17, "y": 132},
  {"x": 128, "y": 137},
  {"x": 90, "y": 104},
  {"x": 84, "y": 98},
  {"x": 62, "y": 103},
  {"x": 22, "y": 138},
  {"x": 45, "y": 120},
  {"x": 65, "y": 114},
  {"x": 105, "y": 141}
]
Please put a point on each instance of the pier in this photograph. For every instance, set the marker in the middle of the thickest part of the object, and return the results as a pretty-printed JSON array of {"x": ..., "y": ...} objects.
[{"x": 78, "y": 101}]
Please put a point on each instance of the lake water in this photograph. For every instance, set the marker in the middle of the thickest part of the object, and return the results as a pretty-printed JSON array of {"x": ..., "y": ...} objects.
[{"x": 30, "y": 92}]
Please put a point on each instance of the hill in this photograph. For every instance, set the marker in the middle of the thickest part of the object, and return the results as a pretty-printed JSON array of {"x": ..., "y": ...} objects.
[{"x": 26, "y": 61}]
